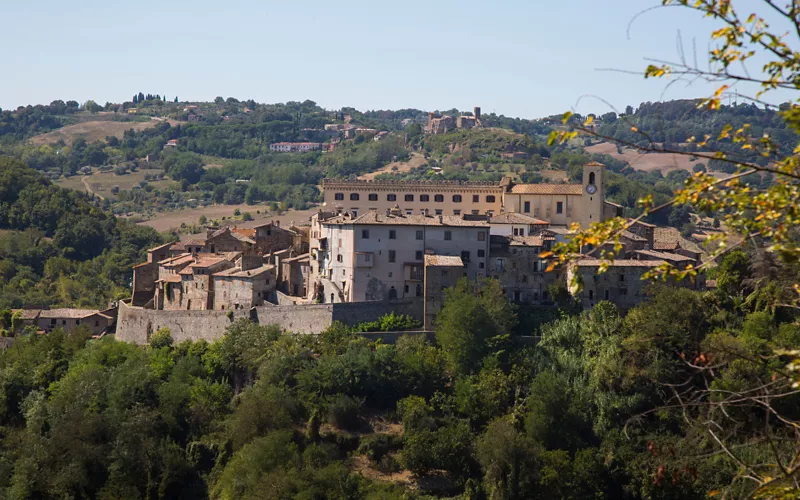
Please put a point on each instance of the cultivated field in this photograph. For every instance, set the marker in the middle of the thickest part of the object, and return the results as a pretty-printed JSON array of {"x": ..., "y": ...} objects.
[
  {"x": 665, "y": 162},
  {"x": 100, "y": 183},
  {"x": 92, "y": 130},
  {"x": 167, "y": 221}
]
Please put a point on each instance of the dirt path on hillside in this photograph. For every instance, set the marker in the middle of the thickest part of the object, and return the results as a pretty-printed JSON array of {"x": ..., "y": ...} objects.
[
  {"x": 89, "y": 190},
  {"x": 415, "y": 161}
]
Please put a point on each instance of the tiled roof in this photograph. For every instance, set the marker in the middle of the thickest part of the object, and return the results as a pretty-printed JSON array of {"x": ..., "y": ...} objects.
[
  {"x": 172, "y": 278},
  {"x": 27, "y": 313},
  {"x": 515, "y": 218},
  {"x": 526, "y": 241},
  {"x": 669, "y": 238},
  {"x": 594, "y": 164},
  {"x": 557, "y": 189},
  {"x": 236, "y": 272},
  {"x": 372, "y": 217},
  {"x": 673, "y": 257},
  {"x": 443, "y": 261},
  {"x": 177, "y": 260},
  {"x": 632, "y": 236},
  {"x": 299, "y": 258},
  {"x": 620, "y": 263},
  {"x": 68, "y": 313},
  {"x": 159, "y": 247}
]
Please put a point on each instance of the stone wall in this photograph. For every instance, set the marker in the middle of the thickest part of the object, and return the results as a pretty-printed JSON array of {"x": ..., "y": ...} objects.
[{"x": 135, "y": 324}]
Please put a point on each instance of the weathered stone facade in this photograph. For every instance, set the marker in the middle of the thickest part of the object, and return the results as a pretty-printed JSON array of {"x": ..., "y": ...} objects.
[{"x": 136, "y": 324}]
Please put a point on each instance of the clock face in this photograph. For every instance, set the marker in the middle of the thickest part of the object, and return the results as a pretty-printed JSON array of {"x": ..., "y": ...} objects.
[{"x": 591, "y": 188}]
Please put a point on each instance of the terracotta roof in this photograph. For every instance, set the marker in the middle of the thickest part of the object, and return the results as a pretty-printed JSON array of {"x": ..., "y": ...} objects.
[
  {"x": 236, "y": 272},
  {"x": 673, "y": 257},
  {"x": 669, "y": 238},
  {"x": 372, "y": 218},
  {"x": 620, "y": 263},
  {"x": 177, "y": 260},
  {"x": 545, "y": 189},
  {"x": 443, "y": 261},
  {"x": 515, "y": 218},
  {"x": 526, "y": 241},
  {"x": 594, "y": 164}
]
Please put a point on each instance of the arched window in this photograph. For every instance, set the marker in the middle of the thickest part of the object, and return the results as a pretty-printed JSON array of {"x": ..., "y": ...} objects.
[
  {"x": 353, "y": 196},
  {"x": 591, "y": 177},
  {"x": 438, "y": 198},
  {"x": 373, "y": 197},
  {"x": 338, "y": 196},
  {"x": 332, "y": 300}
]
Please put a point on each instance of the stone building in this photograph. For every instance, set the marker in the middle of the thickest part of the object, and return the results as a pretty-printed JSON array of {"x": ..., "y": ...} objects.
[
  {"x": 192, "y": 287},
  {"x": 515, "y": 263},
  {"x": 440, "y": 272},
  {"x": 227, "y": 240},
  {"x": 294, "y": 275},
  {"x": 271, "y": 237},
  {"x": 621, "y": 284},
  {"x": 146, "y": 274},
  {"x": 380, "y": 255},
  {"x": 46, "y": 320},
  {"x": 243, "y": 287}
]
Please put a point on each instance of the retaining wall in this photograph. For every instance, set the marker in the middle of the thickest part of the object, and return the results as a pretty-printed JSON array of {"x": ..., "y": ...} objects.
[{"x": 135, "y": 324}]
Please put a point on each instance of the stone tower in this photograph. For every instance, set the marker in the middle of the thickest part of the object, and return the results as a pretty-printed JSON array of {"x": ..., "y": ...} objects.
[{"x": 593, "y": 193}]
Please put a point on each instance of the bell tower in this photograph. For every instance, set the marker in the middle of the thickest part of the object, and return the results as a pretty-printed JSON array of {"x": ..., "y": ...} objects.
[{"x": 593, "y": 193}]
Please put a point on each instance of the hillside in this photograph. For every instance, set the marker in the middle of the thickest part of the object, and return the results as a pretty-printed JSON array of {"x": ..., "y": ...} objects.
[
  {"x": 92, "y": 130},
  {"x": 649, "y": 162}
]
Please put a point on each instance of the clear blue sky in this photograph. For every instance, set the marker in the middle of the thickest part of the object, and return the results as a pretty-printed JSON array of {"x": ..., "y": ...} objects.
[{"x": 527, "y": 58}]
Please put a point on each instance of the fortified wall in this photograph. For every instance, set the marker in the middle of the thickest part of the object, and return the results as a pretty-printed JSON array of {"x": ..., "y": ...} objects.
[{"x": 136, "y": 325}]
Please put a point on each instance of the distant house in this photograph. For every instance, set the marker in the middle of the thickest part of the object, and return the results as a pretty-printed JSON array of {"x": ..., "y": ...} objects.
[
  {"x": 46, "y": 320},
  {"x": 294, "y": 147},
  {"x": 172, "y": 143}
]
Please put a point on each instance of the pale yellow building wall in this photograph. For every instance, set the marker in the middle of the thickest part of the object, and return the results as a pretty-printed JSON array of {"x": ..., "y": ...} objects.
[{"x": 489, "y": 197}]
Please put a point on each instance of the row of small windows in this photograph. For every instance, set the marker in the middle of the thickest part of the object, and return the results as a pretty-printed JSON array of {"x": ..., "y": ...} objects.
[
  {"x": 417, "y": 255},
  {"x": 439, "y": 198},
  {"x": 448, "y": 235}
]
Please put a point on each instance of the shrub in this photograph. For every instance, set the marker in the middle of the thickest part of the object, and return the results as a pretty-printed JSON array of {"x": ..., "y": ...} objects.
[
  {"x": 162, "y": 338},
  {"x": 343, "y": 412},
  {"x": 377, "y": 446}
]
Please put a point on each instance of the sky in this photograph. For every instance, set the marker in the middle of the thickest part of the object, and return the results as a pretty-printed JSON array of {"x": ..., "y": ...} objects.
[{"x": 526, "y": 58}]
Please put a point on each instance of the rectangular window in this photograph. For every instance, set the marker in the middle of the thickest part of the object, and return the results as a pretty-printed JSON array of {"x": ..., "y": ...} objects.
[
  {"x": 409, "y": 197},
  {"x": 490, "y": 198},
  {"x": 448, "y": 235},
  {"x": 367, "y": 257},
  {"x": 438, "y": 211},
  {"x": 391, "y": 197},
  {"x": 481, "y": 253},
  {"x": 338, "y": 196},
  {"x": 606, "y": 294},
  {"x": 392, "y": 234},
  {"x": 373, "y": 197},
  {"x": 482, "y": 236},
  {"x": 353, "y": 196},
  {"x": 456, "y": 212},
  {"x": 419, "y": 235},
  {"x": 439, "y": 198},
  {"x": 456, "y": 198},
  {"x": 465, "y": 256},
  {"x": 365, "y": 234},
  {"x": 622, "y": 277},
  {"x": 418, "y": 255},
  {"x": 424, "y": 197},
  {"x": 392, "y": 256},
  {"x": 559, "y": 207},
  {"x": 476, "y": 198},
  {"x": 527, "y": 208},
  {"x": 501, "y": 264},
  {"x": 623, "y": 291}
]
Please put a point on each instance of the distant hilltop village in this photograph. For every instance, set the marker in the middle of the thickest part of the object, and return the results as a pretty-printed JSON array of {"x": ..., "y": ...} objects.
[
  {"x": 441, "y": 124},
  {"x": 382, "y": 246}
]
